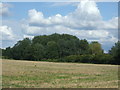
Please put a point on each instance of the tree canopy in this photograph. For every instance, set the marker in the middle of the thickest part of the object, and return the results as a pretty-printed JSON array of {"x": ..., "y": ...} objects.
[
  {"x": 115, "y": 52},
  {"x": 60, "y": 47}
]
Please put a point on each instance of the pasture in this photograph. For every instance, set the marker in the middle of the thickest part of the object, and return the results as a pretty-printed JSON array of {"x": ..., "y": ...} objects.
[{"x": 38, "y": 74}]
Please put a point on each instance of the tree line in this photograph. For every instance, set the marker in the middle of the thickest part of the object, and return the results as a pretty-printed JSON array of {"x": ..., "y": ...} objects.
[{"x": 61, "y": 48}]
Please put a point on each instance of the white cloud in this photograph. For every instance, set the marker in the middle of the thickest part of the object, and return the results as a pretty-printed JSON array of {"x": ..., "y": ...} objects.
[
  {"x": 86, "y": 10},
  {"x": 85, "y": 22},
  {"x": 28, "y": 36},
  {"x": 7, "y": 33},
  {"x": 86, "y": 16},
  {"x": 10, "y": 33},
  {"x": 4, "y": 9}
]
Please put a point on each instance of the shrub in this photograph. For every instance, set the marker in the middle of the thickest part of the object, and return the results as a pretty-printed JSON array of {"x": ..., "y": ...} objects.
[
  {"x": 78, "y": 58},
  {"x": 97, "y": 59},
  {"x": 102, "y": 59}
]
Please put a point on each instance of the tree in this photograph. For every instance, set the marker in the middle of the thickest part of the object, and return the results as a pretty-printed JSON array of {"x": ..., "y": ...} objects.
[
  {"x": 84, "y": 46},
  {"x": 7, "y": 53},
  {"x": 52, "y": 50},
  {"x": 29, "y": 53},
  {"x": 115, "y": 52},
  {"x": 61, "y": 47},
  {"x": 38, "y": 51},
  {"x": 95, "y": 48},
  {"x": 2, "y": 52},
  {"x": 19, "y": 49}
]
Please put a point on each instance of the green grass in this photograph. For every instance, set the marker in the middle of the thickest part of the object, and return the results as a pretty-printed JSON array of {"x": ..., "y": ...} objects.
[{"x": 31, "y": 74}]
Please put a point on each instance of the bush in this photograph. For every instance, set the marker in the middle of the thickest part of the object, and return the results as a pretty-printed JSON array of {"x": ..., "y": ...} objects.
[
  {"x": 78, "y": 58},
  {"x": 96, "y": 59},
  {"x": 86, "y": 58},
  {"x": 72, "y": 58},
  {"x": 102, "y": 59},
  {"x": 50, "y": 60}
]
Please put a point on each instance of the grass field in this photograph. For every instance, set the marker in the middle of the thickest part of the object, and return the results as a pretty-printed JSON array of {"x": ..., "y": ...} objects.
[{"x": 17, "y": 74}]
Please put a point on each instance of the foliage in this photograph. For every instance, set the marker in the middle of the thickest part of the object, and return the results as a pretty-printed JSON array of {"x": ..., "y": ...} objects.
[
  {"x": 115, "y": 52},
  {"x": 61, "y": 48},
  {"x": 95, "y": 48},
  {"x": 96, "y": 59}
]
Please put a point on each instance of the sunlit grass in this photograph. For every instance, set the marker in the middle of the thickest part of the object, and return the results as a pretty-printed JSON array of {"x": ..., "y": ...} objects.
[{"x": 58, "y": 75}]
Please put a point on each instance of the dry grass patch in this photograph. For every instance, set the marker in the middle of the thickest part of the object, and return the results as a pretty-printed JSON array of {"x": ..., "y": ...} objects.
[{"x": 58, "y": 75}]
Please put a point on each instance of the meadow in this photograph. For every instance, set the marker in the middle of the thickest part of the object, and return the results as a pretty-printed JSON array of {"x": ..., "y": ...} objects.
[{"x": 39, "y": 74}]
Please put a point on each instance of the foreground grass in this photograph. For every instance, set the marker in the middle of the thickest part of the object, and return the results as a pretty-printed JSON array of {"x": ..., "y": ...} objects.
[{"x": 31, "y": 74}]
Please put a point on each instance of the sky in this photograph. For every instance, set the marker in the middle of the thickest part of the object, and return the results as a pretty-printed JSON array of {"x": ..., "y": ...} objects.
[{"x": 94, "y": 21}]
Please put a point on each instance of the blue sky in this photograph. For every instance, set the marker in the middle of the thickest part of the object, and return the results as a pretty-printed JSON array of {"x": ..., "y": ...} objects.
[
  {"x": 92, "y": 21},
  {"x": 19, "y": 9}
]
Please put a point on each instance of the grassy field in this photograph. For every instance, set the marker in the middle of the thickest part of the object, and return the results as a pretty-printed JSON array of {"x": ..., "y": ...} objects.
[{"x": 17, "y": 74}]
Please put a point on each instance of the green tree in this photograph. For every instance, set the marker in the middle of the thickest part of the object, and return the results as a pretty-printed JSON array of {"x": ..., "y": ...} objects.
[
  {"x": 95, "y": 48},
  {"x": 52, "y": 50},
  {"x": 40, "y": 39},
  {"x": 115, "y": 52},
  {"x": 19, "y": 49},
  {"x": 7, "y": 53},
  {"x": 38, "y": 51},
  {"x": 84, "y": 47}
]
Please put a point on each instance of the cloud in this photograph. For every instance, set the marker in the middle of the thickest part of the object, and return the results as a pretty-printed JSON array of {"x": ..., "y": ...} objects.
[
  {"x": 10, "y": 33},
  {"x": 85, "y": 22},
  {"x": 15, "y": 26},
  {"x": 4, "y": 9},
  {"x": 87, "y": 16},
  {"x": 7, "y": 38},
  {"x": 86, "y": 9},
  {"x": 7, "y": 33}
]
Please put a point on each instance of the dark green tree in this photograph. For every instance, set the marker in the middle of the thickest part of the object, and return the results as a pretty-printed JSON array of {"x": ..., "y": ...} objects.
[
  {"x": 115, "y": 52},
  {"x": 38, "y": 51},
  {"x": 52, "y": 50},
  {"x": 7, "y": 53},
  {"x": 19, "y": 50},
  {"x": 84, "y": 47}
]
